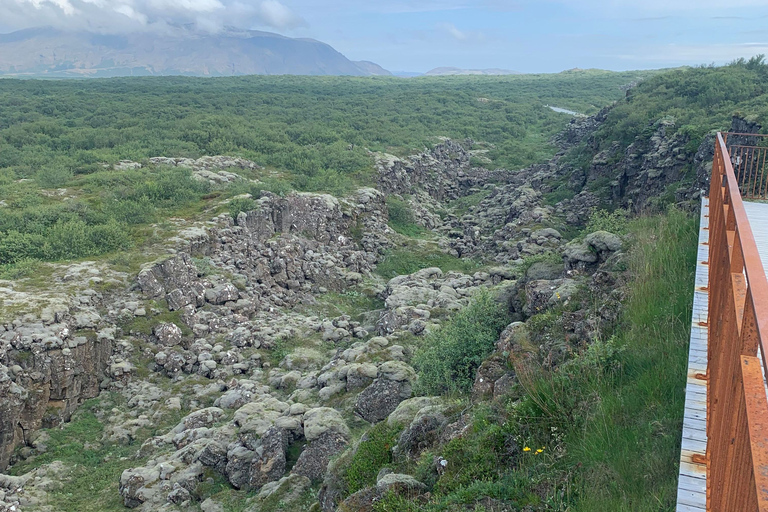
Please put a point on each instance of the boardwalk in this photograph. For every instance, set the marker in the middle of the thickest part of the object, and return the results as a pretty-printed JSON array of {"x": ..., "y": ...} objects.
[
  {"x": 691, "y": 493},
  {"x": 692, "y": 484},
  {"x": 758, "y": 220}
]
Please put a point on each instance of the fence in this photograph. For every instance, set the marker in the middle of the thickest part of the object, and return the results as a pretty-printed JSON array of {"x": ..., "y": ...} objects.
[
  {"x": 737, "y": 408},
  {"x": 748, "y": 155}
]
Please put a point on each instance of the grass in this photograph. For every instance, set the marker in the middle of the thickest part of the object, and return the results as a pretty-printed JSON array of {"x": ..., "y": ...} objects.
[
  {"x": 353, "y": 302},
  {"x": 373, "y": 453},
  {"x": 603, "y": 429},
  {"x": 619, "y": 423},
  {"x": 409, "y": 259},
  {"x": 145, "y": 324},
  {"x": 401, "y": 218},
  {"x": 631, "y": 441},
  {"x": 462, "y": 205},
  {"x": 94, "y": 466}
]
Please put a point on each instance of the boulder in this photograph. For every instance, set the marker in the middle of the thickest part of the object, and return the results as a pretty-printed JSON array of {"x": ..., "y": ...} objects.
[
  {"x": 313, "y": 461},
  {"x": 269, "y": 462},
  {"x": 168, "y": 334},
  {"x": 321, "y": 420},
  {"x": 222, "y": 294},
  {"x": 381, "y": 398}
]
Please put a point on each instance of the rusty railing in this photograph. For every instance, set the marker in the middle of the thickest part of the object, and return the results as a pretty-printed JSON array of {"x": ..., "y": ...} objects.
[
  {"x": 737, "y": 408},
  {"x": 748, "y": 155}
]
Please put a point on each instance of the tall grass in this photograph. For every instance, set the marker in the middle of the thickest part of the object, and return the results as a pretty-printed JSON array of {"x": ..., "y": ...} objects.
[
  {"x": 622, "y": 414},
  {"x": 631, "y": 443}
]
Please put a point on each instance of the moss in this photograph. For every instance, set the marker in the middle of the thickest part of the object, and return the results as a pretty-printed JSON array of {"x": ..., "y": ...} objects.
[{"x": 145, "y": 324}]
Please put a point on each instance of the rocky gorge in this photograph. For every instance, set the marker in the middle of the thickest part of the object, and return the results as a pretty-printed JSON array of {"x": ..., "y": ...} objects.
[{"x": 259, "y": 351}]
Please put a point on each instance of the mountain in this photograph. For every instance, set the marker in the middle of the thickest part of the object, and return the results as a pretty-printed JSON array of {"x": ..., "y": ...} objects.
[
  {"x": 50, "y": 52},
  {"x": 459, "y": 71}
]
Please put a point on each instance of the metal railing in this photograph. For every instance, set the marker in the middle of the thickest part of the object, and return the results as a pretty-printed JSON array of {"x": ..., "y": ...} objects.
[
  {"x": 749, "y": 155},
  {"x": 737, "y": 408}
]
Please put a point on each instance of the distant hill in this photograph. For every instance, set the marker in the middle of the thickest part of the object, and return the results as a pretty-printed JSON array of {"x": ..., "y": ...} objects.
[
  {"x": 51, "y": 52},
  {"x": 459, "y": 71}
]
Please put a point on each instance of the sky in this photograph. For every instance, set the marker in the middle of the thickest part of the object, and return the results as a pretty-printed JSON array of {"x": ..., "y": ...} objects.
[{"x": 418, "y": 35}]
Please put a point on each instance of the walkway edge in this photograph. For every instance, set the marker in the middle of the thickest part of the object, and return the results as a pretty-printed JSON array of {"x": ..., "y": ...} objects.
[{"x": 692, "y": 483}]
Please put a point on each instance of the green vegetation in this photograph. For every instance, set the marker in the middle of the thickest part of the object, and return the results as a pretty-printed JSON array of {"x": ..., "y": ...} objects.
[
  {"x": 92, "y": 463},
  {"x": 373, "y": 453},
  {"x": 696, "y": 100},
  {"x": 60, "y": 199},
  {"x": 401, "y": 218},
  {"x": 454, "y": 352},
  {"x": 415, "y": 257},
  {"x": 628, "y": 446},
  {"x": 600, "y": 432},
  {"x": 241, "y": 204}
]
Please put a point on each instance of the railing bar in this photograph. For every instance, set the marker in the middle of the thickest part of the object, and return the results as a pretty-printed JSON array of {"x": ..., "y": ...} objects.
[
  {"x": 753, "y": 171},
  {"x": 760, "y": 188},
  {"x": 757, "y": 423},
  {"x": 745, "y": 134},
  {"x": 763, "y": 183},
  {"x": 753, "y": 266}
]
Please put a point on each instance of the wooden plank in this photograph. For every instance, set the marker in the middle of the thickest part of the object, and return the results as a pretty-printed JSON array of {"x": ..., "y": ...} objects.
[
  {"x": 682, "y": 507},
  {"x": 692, "y": 483}
]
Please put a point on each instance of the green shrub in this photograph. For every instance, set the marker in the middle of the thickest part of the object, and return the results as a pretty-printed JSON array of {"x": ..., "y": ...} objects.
[
  {"x": 559, "y": 194},
  {"x": 53, "y": 177},
  {"x": 453, "y": 353},
  {"x": 373, "y": 453},
  {"x": 401, "y": 218},
  {"x": 19, "y": 269},
  {"x": 15, "y": 246},
  {"x": 616, "y": 222},
  {"x": 241, "y": 204}
]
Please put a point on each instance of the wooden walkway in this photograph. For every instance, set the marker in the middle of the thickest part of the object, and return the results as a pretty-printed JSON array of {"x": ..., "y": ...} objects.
[
  {"x": 692, "y": 484},
  {"x": 757, "y": 213}
]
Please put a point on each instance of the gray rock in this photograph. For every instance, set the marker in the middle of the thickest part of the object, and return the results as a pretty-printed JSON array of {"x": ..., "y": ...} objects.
[
  {"x": 168, "y": 334},
  {"x": 381, "y": 398},
  {"x": 321, "y": 420},
  {"x": 603, "y": 241},
  {"x": 222, "y": 294},
  {"x": 313, "y": 461},
  {"x": 269, "y": 462}
]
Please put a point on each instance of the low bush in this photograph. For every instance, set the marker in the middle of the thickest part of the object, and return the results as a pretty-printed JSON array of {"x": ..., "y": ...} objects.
[
  {"x": 453, "y": 353},
  {"x": 241, "y": 204},
  {"x": 373, "y": 453}
]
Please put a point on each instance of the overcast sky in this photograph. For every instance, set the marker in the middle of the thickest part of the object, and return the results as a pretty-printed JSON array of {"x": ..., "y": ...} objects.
[{"x": 417, "y": 35}]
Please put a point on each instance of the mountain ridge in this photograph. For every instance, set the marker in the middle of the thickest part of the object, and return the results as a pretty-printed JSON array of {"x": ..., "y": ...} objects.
[{"x": 44, "y": 51}]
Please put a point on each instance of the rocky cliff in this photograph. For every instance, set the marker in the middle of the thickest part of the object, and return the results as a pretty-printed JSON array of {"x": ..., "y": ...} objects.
[{"x": 239, "y": 360}]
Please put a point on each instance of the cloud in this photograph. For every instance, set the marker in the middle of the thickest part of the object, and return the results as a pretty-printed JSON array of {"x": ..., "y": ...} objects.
[
  {"x": 276, "y": 15},
  {"x": 454, "y": 32},
  {"x": 118, "y": 16},
  {"x": 461, "y": 36}
]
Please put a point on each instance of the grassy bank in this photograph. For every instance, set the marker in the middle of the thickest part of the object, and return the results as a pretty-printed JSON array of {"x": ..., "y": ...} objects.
[
  {"x": 600, "y": 432},
  {"x": 629, "y": 446}
]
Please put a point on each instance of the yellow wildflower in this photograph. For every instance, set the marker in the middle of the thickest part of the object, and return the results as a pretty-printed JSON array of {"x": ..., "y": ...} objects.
[{"x": 526, "y": 449}]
